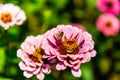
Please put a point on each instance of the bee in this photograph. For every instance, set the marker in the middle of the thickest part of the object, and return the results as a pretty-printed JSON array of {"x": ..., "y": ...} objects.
[{"x": 60, "y": 35}]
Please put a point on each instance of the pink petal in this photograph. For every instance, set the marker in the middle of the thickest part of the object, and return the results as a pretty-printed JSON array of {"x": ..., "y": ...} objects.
[
  {"x": 60, "y": 66},
  {"x": 40, "y": 76},
  {"x": 51, "y": 37},
  {"x": 22, "y": 66},
  {"x": 46, "y": 69},
  {"x": 38, "y": 41},
  {"x": 20, "y": 18},
  {"x": 19, "y": 53},
  {"x": 60, "y": 57},
  {"x": 47, "y": 50},
  {"x": 29, "y": 62},
  {"x": 91, "y": 44},
  {"x": 67, "y": 31},
  {"x": 51, "y": 57},
  {"x": 53, "y": 60},
  {"x": 53, "y": 51},
  {"x": 27, "y": 48},
  {"x": 87, "y": 36},
  {"x": 76, "y": 73},
  {"x": 77, "y": 66},
  {"x": 76, "y": 32},
  {"x": 86, "y": 57},
  {"x": 28, "y": 68},
  {"x": 67, "y": 63},
  {"x": 85, "y": 48},
  {"x": 74, "y": 61},
  {"x": 74, "y": 56},
  {"x": 60, "y": 27},
  {"x": 93, "y": 53},
  {"x": 37, "y": 70},
  {"x": 27, "y": 74},
  {"x": 80, "y": 38},
  {"x": 39, "y": 63}
]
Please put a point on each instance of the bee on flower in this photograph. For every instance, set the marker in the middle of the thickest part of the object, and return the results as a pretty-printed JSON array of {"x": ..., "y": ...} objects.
[{"x": 69, "y": 48}]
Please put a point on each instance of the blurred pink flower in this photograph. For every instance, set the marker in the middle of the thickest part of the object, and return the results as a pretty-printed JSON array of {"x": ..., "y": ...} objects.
[
  {"x": 32, "y": 53},
  {"x": 11, "y": 15},
  {"x": 70, "y": 45},
  {"x": 108, "y": 24},
  {"x": 119, "y": 7},
  {"x": 110, "y": 6}
]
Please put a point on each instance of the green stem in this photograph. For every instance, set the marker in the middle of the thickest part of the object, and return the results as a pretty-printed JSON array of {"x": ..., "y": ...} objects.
[
  {"x": 6, "y": 40},
  {"x": 6, "y": 37}
]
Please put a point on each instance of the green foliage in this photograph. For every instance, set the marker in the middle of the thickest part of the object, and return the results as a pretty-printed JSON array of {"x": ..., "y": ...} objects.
[{"x": 2, "y": 58}]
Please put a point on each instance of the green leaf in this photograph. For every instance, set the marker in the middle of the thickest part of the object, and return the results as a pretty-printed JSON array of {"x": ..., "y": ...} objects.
[
  {"x": 91, "y": 3},
  {"x": 87, "y": 71},
  {"x": 1, "y": 78},
  {"x": 58, "y": 5},
  {"x": 2, "y": 58}
]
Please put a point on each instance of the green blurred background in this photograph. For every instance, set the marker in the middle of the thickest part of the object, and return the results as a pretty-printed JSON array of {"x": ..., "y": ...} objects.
[{"x": 43, "y": 15}]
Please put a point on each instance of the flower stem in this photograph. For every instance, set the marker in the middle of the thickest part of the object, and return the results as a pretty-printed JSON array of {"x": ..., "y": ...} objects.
[{"x": 6, "y": 37}]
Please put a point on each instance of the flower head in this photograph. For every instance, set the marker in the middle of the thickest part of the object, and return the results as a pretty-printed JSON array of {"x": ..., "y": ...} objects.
[
  {"x": 11, "y": 15},
  {"x": 110, "y": 6},
  {"x": 108, "y": 24},
  {"x": 32, "y": 53},
  {"x": 70, "y": 45}
]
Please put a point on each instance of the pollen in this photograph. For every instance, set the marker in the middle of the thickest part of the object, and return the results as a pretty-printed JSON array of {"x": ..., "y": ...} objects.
[
  {"x": 69, "y": 46},
  {"x": 37, "y": 55},
  {"x": 6, "y": 17}
]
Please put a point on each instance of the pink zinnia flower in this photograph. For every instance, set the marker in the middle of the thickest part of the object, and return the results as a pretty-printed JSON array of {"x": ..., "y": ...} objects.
[
  {"x": 108, "y": 24},
  {"x": 32, "y": 53},
  {"x": 70, "y": 45},
  {"x": 11, "y": 15},
  {"x": 110, "y": 6}
]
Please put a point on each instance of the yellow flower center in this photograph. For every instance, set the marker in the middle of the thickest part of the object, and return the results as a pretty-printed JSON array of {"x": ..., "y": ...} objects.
[
  {"x": 69, "y": 46},
  {"x": 37, "y": 55},
  {"x": 6, "y": 17}
]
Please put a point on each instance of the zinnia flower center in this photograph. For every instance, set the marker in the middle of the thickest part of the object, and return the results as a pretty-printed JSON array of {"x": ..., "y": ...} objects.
[
  {"x": 69, "y": 46},
  {"x": 6, "y": 17},
  {"x": 108, "y": 24},
  {"x": 109, "y": 4},
  {"x": 37, "y": 54}
]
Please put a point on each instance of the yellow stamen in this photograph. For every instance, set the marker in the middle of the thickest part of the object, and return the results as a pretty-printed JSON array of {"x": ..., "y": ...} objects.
[
  {"x": 6, "y": 17},
  {"x": 37, "y": 54},
  {"x": 69, "y": 46}
]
